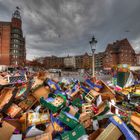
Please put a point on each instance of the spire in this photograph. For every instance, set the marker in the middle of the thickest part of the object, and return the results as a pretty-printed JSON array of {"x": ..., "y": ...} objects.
[{"x": 16, "y": 13}]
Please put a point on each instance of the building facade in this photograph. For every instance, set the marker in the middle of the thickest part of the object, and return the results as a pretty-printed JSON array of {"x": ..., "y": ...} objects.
[
  {"x": 120, "y": 52},
  {"x": 79, "y": 61},
  {"x": 87, "y": 61},
  {"x": 70, "y": 62},
  {"x": 53, "y": 62},
  {"x": 5, "y": 40},
  {"x": 75, "y": 62},
  {"x": 99, "y": 61},
  {"x": 138, "y": 59},
  {"x": 12, "y": 42},
  {"x": 83, "y": 61}
]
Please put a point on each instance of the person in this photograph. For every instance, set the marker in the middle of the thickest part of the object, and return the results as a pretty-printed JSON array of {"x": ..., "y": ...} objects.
[{"x": 59, "y": 73}]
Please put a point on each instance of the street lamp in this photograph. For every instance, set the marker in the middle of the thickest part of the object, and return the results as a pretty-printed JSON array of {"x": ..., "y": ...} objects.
[{"x": 93, "y": 43}]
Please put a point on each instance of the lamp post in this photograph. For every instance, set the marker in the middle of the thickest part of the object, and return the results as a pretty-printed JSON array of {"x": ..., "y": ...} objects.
[{"x": 93, "y": 43}]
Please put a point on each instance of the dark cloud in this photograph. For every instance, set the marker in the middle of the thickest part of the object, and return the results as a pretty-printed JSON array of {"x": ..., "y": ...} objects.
[{"x": 61, "y": 27}]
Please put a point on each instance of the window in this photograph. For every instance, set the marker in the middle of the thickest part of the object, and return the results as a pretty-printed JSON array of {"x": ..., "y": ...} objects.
[
  {"x": 13, "y": 56},
  {"x": 15, "y": 40},
  {"x": 16, "y": 62},
  {"x": 16, "y": 35}
]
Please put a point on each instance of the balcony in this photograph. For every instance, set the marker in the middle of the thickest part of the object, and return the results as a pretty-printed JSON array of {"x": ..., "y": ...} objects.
[
  {"x": 17, "y": 38},
  {"x": 17, "y": 43},
  {"x": 16, "y": 31}
]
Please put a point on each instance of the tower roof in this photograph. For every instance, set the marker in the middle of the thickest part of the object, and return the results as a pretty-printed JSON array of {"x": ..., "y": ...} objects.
[{"x": 16, "y": 13}]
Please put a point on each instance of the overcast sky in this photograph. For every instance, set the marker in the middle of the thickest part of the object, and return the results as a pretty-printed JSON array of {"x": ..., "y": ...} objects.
[{"x": 62, "y": 27}]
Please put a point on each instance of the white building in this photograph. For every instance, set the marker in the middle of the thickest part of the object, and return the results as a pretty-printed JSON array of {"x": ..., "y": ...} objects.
[{"x": 70, "y": 62}]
